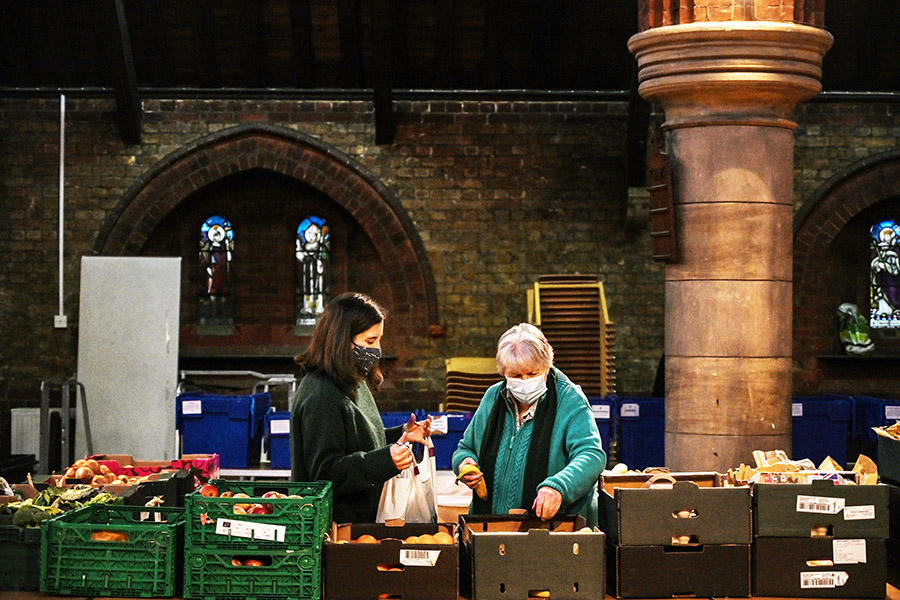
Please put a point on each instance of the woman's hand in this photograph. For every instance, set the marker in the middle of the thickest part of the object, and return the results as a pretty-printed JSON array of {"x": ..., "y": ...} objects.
[
  {"x": 417, "y": 431},
  {"x": 401, "y": 454},
  {"x": 470, "y": 480},
  {"x": 547, "y": 503}
]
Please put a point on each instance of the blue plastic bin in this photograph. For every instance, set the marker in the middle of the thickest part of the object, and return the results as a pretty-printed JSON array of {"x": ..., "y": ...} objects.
[
  {"x": 445, "y": 445},
  {"x": 230, "y": 426},
  {"x": 873, "y": 412},
  {"x": 822, "y": 426},
  {"x": 604, "y": 410},
  {"x": 277, "y": 440},
  {"x": 642, "y": 431}
]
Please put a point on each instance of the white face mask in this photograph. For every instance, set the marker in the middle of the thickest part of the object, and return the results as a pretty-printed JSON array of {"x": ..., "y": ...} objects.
[{"x": 527, "y": 391}]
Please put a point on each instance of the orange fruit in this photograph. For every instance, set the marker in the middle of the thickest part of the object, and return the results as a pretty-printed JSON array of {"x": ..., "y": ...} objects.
[
  {"x": 411, "y": 540},
  {"x": 366, "y": 539},
  {"x": 442, "y": 537},
  {"x": 427, "y": 538}
]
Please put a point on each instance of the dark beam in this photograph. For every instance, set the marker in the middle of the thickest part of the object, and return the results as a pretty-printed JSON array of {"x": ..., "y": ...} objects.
[
  {"x": 636, "y": 135},
  {"x": 494, "y": 41},
  {"x": 156, "y": 64},
  {"x": 382, "y": 37},
  {"x": 128, "y": 103},
  {"x": 445, "y": 50},
  {"x": 303, "y": 65},
  {"x": 209, "y": 52},
  {"x": 350, "y": 40},
  {"x": 253, "y": 33}
]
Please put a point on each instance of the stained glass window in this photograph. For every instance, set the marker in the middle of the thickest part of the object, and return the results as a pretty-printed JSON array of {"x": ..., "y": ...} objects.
[
  {"x": 312, "y": 252},
  {"x": 884, "y": 269},
  {"x": 216, "y": 254}
]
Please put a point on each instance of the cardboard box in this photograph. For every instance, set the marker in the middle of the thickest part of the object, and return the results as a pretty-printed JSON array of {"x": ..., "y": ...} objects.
[
  {"x": 819, "y": 567},
  {"x": 514, "y": 556},
  {"x": 684, "y": 514},
  {"x": 202, "y": 467},
  {"x": 355, "y": 571},
  {"x": 820, "y": 508},
  {"x": 668, "y": 571},
  {"x": 170, "y": 485},
  {"x": 889, "y": 460},
  {"x": 609, "y": 483}
]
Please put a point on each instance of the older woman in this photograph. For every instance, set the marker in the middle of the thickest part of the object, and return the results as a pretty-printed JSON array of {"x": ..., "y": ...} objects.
[{"x": 533, "y": 436}]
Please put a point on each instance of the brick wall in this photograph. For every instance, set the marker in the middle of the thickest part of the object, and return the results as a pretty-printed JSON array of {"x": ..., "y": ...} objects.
[{"x": 498, "y": 192}]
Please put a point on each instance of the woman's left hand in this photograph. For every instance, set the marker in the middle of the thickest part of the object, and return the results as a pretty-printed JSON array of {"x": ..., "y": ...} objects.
[
  {"x": 547, "y": 503},
  {"x": 417, "y": 431}
]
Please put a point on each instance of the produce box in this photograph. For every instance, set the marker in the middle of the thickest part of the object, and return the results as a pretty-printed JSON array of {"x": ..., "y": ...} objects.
[
  {"x": 819, "y": 567},
  {"x": 230, "y": 426},
  {"x": 277, "y": 439},
  {"x": 231, "y": 574},
  {"x": 666, "y": 571},
  {"x": 889, "y": 460},
  {"x": 171, "y": 486},
  {"x": 893, "y": 542},
  {"x": 391, "y": 563},
  {"x": 609, "y": 482},
  {"x": 684, "y": 514},
  {"x": 202, "y": 467},
  {"x": 113, "y": 550},
  {"x": 20, "y": 556},
  {"x": 520, "y": 556},
  {"x": 820, "y": 508},
  {"x": 874, "y": 412},
  {"x": 299, "y": 518}
]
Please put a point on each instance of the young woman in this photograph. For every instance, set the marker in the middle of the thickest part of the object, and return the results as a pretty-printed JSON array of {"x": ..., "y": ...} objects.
[
  {"x": 533, "y": 436},
  {"x": 336, "y": 428}
]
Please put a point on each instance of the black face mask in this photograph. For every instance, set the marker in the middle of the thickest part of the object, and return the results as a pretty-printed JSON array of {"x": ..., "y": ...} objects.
[{"x": 365, "y": 358}]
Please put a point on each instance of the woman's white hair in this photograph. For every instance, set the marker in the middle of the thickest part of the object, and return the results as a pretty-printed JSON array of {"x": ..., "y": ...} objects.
[{"x": 523, "y": 348}]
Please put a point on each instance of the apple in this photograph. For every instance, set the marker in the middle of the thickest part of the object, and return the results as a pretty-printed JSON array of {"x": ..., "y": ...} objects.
[
  {"x": 257, "y": 509},
  {"x": 209, "y": 490}
]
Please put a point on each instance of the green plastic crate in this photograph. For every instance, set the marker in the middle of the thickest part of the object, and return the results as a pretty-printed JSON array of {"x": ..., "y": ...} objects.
[
  {"x": 146, "y": 565},
  {"x": 211, "y": 575},
  {"x": 20, "y": 557},
  {"x": 294, "y": 522}
]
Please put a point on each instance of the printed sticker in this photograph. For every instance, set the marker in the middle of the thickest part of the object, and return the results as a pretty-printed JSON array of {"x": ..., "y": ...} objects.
[
  {"x": 630, "y": 409},
  {"x": 280, "y": 426},
  {"x": 859, "y": 513},
  {"x": 248, "y": 529},
  {"x": 419, "y": 558},
  {"x": 825, "y": 579},
  {"x": 892, "y": 413},
  {"x": 819, "y": 504},
  {"x": 192, "y": 407},
  {"x": 440, "y": 424},
  {"x": 601, "y": 411},
  {"x": 796, "y": 409},
  {"x": 849, "y": 552}
]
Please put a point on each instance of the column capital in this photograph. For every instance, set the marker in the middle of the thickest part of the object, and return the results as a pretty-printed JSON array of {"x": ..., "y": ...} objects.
[{"x": 730, "y": 73}]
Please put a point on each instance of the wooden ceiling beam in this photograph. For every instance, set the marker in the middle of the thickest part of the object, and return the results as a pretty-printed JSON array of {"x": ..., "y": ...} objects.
[
  {"x": 128, "y": 103},
  {"x": 382, "y": 36}
]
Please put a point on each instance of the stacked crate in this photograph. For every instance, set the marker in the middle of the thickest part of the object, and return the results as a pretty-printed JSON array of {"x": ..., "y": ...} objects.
[
  {"x": 820, "y": 540},
  {"x": 234, "y": 550},
  {"x": 680, "y": 535},
  {"x": 113, "y": 550}
]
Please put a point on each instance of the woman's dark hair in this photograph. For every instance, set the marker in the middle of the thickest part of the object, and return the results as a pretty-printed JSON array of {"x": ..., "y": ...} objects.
[{"x": 330, "y": 347}]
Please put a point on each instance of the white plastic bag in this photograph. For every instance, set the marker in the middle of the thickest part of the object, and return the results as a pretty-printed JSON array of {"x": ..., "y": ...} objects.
[{"x": 411, "y": 495}]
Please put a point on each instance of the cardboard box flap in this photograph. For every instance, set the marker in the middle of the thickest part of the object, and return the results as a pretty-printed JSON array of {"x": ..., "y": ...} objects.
[
  {"x": 475, "y": 524},
  {"x": 610, "y": 481}
]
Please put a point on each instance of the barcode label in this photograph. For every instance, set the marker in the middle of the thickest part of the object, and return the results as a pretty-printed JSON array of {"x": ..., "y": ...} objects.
[
  {"x": 819, "y": 504},
  {"x": 601, "y": 411},
  {"x": 248, "y": 529},
  {"x": 859, "y": 513},
  {"x": 419, "y": 558},
  {"x": 630, "y": 409},
  {"x": 826, "y": 579}
]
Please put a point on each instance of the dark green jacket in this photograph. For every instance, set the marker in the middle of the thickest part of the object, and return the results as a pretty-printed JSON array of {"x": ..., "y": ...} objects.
[{"x": 341, "y": 439}]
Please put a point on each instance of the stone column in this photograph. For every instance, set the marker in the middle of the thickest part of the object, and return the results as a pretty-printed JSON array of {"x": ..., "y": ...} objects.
[{"x": 729, "y": 90}]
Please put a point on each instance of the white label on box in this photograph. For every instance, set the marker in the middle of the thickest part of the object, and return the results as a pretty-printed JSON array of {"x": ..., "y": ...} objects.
[
  {"x": 601, "y": 411},
  {"x": 892, "y": 412},
  {"x": 630, "y": 409},
  {"x": 859, "y": 513},
  {"x": 825, "y": 579},
  {"x": 819, "y": 504},
  {"x": 192, "y": 407},
  {"x": 440, "y": 424},
  {"x": 280, "y": 426},
  {"x": 849, "y": 552},
  {"x": 248, "y": 529},
  {"x": 796, "y": 409},
  {"x": 419, "y": 558}
]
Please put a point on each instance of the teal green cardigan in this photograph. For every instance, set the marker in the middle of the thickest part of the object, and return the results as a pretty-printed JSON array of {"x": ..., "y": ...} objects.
[{"x": 576, "y": 454}]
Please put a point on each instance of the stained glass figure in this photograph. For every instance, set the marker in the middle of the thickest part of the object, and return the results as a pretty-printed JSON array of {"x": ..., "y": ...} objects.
[
  {"x": 884, "y": 270},
  {"x": 216, "y": 254},
  {"x": 312, "y": 252}
]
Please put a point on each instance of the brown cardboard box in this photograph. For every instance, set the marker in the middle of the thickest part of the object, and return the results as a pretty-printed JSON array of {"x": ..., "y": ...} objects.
[
  {"x": 668, "y": 571},
  {"x": 801, "y": 567},
  {"x": 355, "y": 571},
  {"x": 514, "y": 556},
  {"x": 820, "y": 508}
]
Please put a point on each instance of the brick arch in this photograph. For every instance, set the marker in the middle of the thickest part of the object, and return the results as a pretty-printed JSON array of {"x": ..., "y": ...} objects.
[
  {"x": 816, "y": 225},
  {"x": 245, "y": 147}
]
